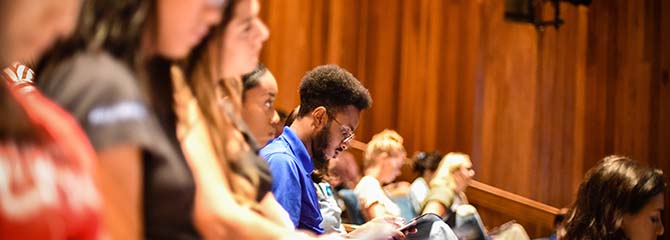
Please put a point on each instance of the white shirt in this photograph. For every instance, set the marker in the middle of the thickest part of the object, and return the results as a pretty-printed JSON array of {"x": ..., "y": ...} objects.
[
  {"x": 417, "y": 193},
  {"x": 369, "y": 191},
  {"x": 331, "y": 212}
]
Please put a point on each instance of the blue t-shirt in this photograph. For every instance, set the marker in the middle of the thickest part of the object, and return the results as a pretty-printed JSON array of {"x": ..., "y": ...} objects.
[{"x": 291, "y": 167}]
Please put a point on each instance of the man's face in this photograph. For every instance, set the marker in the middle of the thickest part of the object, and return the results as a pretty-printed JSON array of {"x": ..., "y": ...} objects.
[{"x": 334, "y": 135}]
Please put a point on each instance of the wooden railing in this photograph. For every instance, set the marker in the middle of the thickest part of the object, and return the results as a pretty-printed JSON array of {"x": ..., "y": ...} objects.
[
  {"x": 507, "y": 203},
  {"x": 537, "y": 217}
]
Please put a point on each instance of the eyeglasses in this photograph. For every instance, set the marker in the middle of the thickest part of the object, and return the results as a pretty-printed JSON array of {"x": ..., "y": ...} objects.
[{"x": 346, "y": 132}]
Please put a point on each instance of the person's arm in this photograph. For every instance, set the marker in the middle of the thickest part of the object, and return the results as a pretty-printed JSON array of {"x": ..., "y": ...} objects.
[
  {"x": 376, "y": 210},
  {"x": 120, "y": 184},
  {"x": 217, "y": 215},
  {"x": 275, "y": 212},
  {"x": 435, "y": 207}
]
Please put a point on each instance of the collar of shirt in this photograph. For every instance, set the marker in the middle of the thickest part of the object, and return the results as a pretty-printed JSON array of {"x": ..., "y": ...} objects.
[{"x": 299, "y": 150}]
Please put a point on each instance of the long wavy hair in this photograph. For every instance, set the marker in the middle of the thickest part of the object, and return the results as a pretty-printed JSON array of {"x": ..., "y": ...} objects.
[
  {"x": 615, "y": 187},
  {"x": 220, "y": 100}
]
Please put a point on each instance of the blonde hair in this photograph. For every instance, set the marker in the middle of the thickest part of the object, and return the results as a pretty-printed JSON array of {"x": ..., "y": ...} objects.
[
  {"x": 387, "y": 141},
  {"x": 450, "y": 162}
]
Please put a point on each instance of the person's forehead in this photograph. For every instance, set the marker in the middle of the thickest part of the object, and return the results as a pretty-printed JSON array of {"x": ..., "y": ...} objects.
[{"x": 348, "y": 115}]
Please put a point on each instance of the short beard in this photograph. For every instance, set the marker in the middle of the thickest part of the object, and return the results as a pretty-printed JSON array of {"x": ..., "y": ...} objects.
[{"x": 319, "y": 158}]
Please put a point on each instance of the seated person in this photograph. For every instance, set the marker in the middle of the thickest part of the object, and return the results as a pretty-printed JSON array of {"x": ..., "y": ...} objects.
[
  {"x": 258, "y": 96},
  {"x": 447, "y": 191},
  {"x": 343, "y": 171},
  {"x": 425, "y": 164},
  {"x": 384, "y": 157},
  {"x": 343, "y": 175},
  {"x": 331, "y": 100},
  {"x": 618, "y": 199},
  {"x": 446, "y": 196}
]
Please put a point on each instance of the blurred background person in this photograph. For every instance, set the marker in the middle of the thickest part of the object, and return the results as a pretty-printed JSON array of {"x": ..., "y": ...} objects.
[
  {"x": 384, "y": 157},
  {"x": 343, "y": 171},
  {"x": 447, "y": 188},
  {"x": 618, "y": 199},
  {"x": 425, "y": 164},
  {"x": 447, "y": 199}
]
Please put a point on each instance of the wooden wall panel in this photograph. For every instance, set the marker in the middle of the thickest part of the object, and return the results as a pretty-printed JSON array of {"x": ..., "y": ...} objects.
[
  {"x": 508, "y": 116},
  {"x": 661, "y": 84},
  {"x": 535, "y": 109}
]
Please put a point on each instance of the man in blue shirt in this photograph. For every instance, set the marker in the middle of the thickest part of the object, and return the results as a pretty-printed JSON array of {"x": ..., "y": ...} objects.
[{"x": 331, "y": 100}]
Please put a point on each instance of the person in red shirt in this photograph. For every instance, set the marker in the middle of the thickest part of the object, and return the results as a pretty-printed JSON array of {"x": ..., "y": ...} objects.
[{"x": 47, "y": 188}]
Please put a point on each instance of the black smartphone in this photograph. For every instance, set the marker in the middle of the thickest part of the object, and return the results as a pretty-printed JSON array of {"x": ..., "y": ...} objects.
[
  {"x": 428, "y": 217},
  {"x": 408, "y": 225}
]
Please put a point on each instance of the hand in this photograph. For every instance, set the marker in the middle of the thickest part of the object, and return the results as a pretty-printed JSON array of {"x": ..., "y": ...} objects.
[{"x": 381, "y": 228}]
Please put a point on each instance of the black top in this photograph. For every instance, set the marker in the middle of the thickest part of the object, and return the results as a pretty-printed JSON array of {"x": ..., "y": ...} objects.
[{"x": 105, "y": 98}]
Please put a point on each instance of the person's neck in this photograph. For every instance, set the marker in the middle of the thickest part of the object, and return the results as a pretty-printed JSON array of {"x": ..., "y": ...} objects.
[
  {"x": 301, "y": 128},
  {"x": 373, "y": 171},
  {"x": 428, "y": 176}
]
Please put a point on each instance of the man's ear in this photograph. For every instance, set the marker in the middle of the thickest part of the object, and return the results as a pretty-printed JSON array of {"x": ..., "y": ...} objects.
[{"x": 320, "y": 117}]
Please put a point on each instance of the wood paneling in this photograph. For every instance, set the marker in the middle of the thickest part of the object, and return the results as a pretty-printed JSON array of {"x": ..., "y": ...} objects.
[{"x": 535, "y": 109}]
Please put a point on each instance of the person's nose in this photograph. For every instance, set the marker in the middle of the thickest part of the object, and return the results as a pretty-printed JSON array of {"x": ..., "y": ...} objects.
[
  {"x": 265, "y": 31},
  {"x": 275, "y": 118},
  {"x": 660, "y": 229}
]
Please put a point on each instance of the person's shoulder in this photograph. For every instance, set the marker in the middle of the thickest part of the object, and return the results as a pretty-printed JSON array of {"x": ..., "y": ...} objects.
[
  {"x": 275, "y": 147},
  {"x": 103, "y": 67},
  {"x": 366, "y": 180},
  {"x": 419, "y": 182},
  {"x": 91, "y": 70},
  {"x": 363, "y": 183},
  {"x": 280, "y": 158}
]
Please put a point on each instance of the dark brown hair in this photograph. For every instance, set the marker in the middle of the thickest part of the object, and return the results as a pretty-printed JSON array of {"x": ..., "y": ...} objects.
[
  {"x": 426, "y": 161},
  {"x": 616, "y": 186}
]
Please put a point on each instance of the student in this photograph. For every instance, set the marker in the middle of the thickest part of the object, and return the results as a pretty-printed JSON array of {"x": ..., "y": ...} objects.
[
  {"x": 47, "y": 165},
  {"x": 258, "y": 95},
  {"x": 447, "y": 191},
  {"x": 384, "y": 157},
  {"x": 330, "y": 103},
  {"x": 618, "y": 199},
  {"x": 447, "y": 199},
  {"x": 112, "y": 76},
  {"x": 233, "y": 198},
  {"x": 425, "y": 164}
]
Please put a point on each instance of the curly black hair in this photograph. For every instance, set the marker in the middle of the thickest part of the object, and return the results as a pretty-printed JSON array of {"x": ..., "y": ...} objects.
[{"x": 332, "y": 87}]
